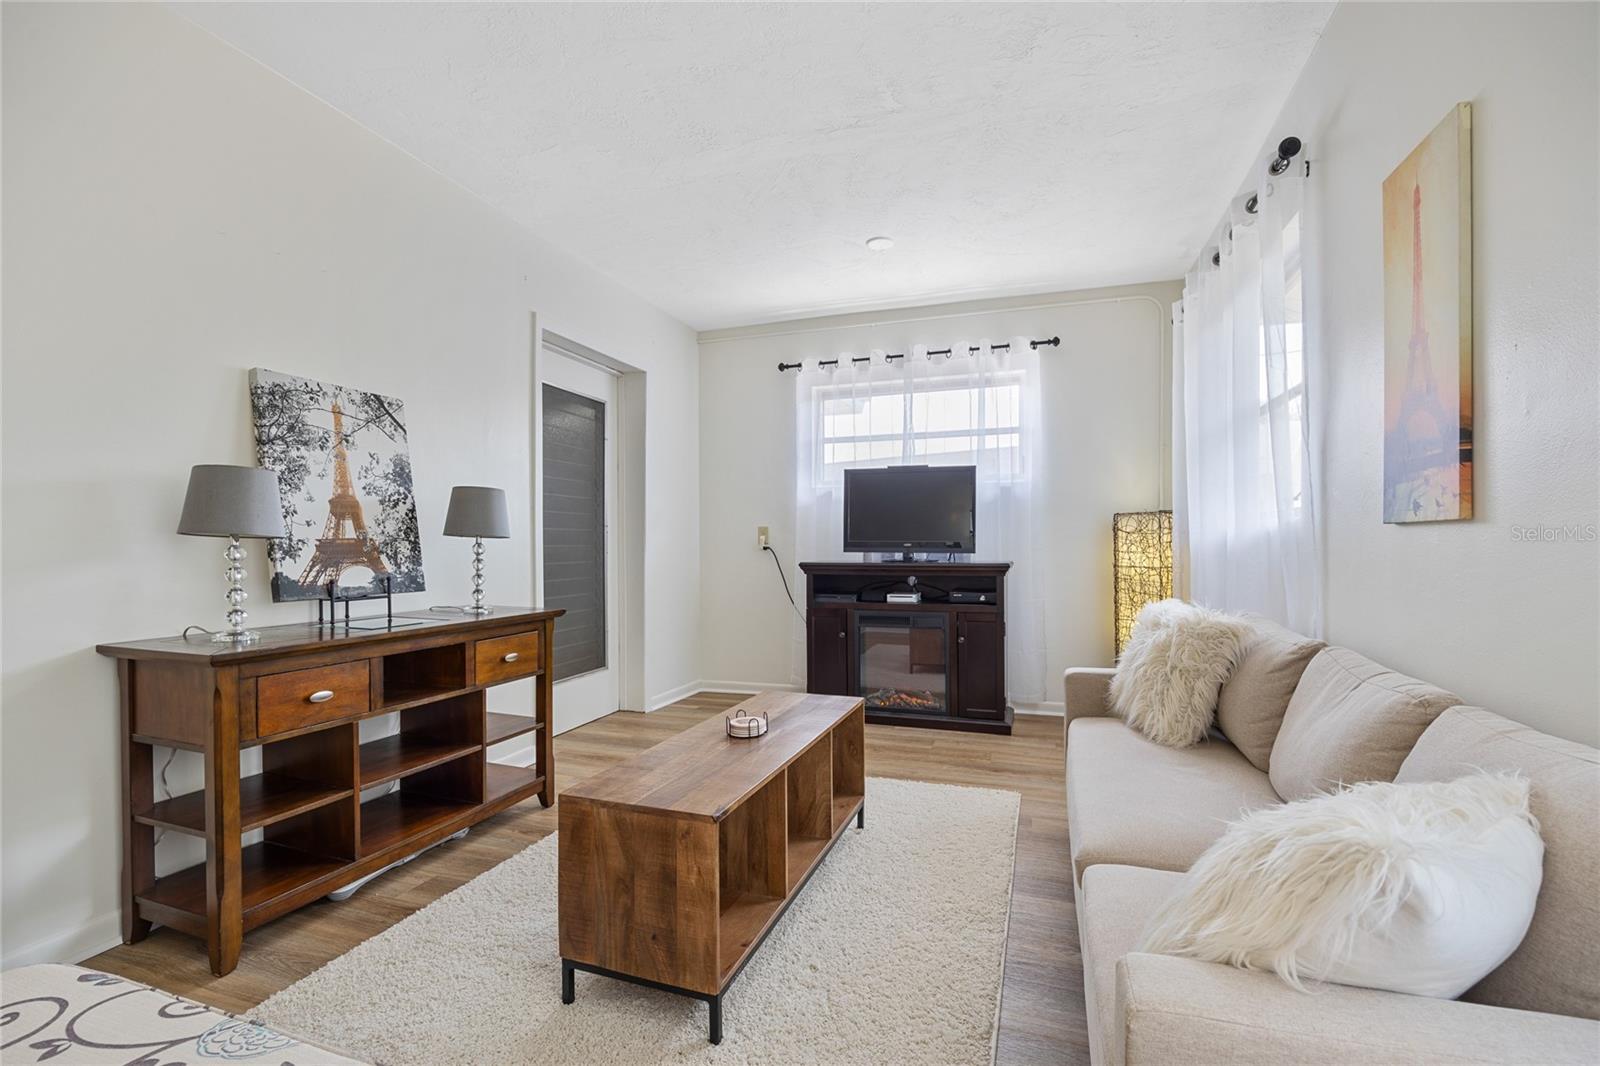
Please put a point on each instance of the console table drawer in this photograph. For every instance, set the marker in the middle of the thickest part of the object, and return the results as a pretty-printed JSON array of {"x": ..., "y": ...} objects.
[
  {"x": 301, "y": 698},
  {"x": 505, "y": 658}
]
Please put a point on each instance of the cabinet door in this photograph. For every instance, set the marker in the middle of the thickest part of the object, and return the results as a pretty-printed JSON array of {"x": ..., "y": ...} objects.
[
  {"x": 980, "y": 669},
  {"x": 828, "y": 652}
]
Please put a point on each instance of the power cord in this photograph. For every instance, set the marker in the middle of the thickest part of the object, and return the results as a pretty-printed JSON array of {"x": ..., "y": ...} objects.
[
  {"x": 166, "y": 789},
  {"x": 785, "y": 579}
]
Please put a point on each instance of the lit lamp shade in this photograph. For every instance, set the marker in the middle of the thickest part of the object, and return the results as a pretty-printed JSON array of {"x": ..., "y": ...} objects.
[{"x": 1141, "y": 566}]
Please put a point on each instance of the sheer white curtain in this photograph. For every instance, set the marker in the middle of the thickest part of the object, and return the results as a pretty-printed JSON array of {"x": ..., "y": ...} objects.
[
  {"x": 979, "y": 409},
  {"x": 1245, "y": 520}
]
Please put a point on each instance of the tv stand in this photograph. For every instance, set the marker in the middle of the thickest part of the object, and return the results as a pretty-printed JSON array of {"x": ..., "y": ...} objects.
[{"x": 939, "y": 663}]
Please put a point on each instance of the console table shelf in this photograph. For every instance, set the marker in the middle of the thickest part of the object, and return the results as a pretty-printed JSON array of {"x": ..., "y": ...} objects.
[
  {"x": 263, "y": 800},
  {"x": 399, "y": 816},
  {"x": 404, "y": 754},
  {"x": 502, "y": 727},
  {"x": 504, "y": 784},
  {"x": 267, "y": 872},
  {"x": 300, "y": 695}
]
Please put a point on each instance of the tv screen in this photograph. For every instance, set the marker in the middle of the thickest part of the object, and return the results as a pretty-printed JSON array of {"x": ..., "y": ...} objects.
[{"x": 911, "y": 509}]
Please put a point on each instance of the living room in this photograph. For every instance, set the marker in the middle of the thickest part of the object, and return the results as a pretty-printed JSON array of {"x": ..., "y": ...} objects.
[{"x": 950, "y": 533}]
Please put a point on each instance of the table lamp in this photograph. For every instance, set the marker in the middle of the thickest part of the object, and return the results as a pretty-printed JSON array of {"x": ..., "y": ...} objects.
[
  {"x": 233, "y": 502},
  {"x": 477, "y": 512}
]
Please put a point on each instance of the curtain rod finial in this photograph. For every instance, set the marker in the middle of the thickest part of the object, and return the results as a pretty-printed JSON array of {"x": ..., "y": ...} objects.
[{"x": 1288, "y": 148}]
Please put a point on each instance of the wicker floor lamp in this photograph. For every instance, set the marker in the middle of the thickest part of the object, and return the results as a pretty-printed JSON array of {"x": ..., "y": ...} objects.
[{"x": 1141, "y": 566}]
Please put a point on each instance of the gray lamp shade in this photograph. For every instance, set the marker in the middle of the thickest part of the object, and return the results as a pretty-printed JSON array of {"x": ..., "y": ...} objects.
[
  {"x": 232, "y": 501},
  {"x": 476, "y": 511}
]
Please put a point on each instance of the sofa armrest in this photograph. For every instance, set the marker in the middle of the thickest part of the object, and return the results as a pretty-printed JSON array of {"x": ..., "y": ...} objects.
[
  {"x": 1183, "y": 1010},
  {"x": 1087, "y": 690}
]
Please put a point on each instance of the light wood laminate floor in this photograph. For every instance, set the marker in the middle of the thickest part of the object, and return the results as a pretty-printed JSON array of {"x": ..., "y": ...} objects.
[{"x": 1042, "y": 1012}]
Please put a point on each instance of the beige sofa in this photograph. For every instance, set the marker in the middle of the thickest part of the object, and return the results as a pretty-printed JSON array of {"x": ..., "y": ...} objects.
[{"x": 1139, "y": 814}]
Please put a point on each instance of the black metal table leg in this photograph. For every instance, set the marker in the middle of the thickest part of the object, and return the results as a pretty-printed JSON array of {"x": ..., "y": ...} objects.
[
  {"x": 861, "y": 815},
  {"x": 568, "y": 993},
  {"x": 715, "y": 1003}
]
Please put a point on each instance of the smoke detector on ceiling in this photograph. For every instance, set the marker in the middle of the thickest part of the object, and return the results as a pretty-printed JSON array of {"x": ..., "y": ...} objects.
[{"x": 879, "y": 244}]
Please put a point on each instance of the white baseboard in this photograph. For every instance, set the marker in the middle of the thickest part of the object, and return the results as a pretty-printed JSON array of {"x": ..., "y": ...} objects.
[
  {"x": 1046, "y": 710},
  {"x": 750, "y": 688},
  {"x": 694, "y": 688},
  {"x": 73, "y": 946},
  {"x": 672, "y": 695}
]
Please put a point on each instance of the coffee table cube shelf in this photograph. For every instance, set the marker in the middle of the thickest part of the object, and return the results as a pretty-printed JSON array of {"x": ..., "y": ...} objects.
[{"x": 676, "y": 864}]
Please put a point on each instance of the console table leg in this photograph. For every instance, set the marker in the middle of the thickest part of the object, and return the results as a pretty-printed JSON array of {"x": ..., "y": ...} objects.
[
  {"x": 568, "y": 992},
  {"x": 544, "y": 739},
  {"x": 716, "y": 1019},
  {"x": 138, "y": 792},
  {"x": 224, "y": 905}
]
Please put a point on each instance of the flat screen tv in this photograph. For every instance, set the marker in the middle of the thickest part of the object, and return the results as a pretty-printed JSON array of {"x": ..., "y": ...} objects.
[{"x": 911, "y": 509}]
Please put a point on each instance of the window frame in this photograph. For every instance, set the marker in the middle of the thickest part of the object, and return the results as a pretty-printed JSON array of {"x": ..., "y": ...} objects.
[{"x": 908, "y": 436}]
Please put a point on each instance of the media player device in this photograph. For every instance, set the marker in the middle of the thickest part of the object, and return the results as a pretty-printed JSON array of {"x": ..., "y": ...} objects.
[
  {"x": 970, "y": 596},
  {"x": 903, "y": 597}
]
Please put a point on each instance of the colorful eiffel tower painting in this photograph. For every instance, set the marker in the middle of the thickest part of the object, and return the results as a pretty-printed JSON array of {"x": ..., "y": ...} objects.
[
  {"x": 1427, "y": 274},
  {"x": 344, "y": 474}
]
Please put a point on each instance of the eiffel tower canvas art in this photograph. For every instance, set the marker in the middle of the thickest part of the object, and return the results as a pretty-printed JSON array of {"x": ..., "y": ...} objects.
[
  {"x": 1427, "y": 280},
  {"x": 344, "y": 475}
]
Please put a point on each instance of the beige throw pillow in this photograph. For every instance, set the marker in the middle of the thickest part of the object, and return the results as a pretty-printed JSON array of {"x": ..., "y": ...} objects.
[
  {"x": 1166, "y": 680},
  {"x": 1253, "y": 700},
  {"x": 1350, "y": 720}
]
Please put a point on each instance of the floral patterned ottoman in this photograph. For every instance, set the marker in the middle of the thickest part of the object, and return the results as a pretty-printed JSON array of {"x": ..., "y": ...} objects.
[{"x": 67, "y": 1015}]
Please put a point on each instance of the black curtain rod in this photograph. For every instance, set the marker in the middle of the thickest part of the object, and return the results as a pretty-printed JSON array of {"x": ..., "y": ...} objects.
[{"x": 1053, "y": 342}]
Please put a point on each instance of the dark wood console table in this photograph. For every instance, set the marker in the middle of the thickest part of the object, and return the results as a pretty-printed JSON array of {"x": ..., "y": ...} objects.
[
  {"x": 299, "y": 695},
  {"x": 938, "y": 663}
]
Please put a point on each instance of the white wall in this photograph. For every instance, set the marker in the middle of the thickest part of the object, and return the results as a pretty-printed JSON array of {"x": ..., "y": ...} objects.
[
  {"x": 1509, "y": 623},
  {"x": 1107, "y": 429},
  {"x": 175, "y": 214}
]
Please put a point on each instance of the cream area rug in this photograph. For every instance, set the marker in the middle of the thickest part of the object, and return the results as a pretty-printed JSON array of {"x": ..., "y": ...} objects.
[{"x": 893, "y": 952}]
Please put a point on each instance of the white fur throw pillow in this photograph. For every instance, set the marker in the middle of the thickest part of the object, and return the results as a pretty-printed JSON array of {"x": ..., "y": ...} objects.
[
  {"x": 1168, "y": 676},
  {"x": 1417, "y": 888}
]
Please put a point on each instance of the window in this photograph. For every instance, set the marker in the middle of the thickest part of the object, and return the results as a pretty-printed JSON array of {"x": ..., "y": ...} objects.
[
  {"x": 942, "y": 421},
  {"x": 1282, "y": 390}
]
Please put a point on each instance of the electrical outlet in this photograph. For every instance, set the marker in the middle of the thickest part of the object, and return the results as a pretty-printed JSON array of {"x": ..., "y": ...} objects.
[{"x": 761, "y": 536}]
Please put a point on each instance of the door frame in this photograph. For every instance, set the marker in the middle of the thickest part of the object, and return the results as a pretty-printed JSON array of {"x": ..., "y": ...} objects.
[{"x": 628, "y": 520}]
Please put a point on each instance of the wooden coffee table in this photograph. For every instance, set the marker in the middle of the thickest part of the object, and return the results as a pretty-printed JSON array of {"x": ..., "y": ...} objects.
[{"x": 677, "y": 863}]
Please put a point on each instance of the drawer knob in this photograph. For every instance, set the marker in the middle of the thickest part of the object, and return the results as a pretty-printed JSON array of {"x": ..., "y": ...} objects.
[
  {"x": 321, "y": 696},
  {"x": 509, "y": 657}
]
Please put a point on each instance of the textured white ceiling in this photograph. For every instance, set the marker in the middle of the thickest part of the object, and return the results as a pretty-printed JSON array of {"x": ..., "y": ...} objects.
[{"x": 727, "y": 161}]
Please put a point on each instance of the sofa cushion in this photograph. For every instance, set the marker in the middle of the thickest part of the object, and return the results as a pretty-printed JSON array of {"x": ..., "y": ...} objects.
[
  {"x": 1132, "y": 801},
  {"x": 1252, "y": 702},
  {"x": 1350, "y": 720},
  {"x": 1113, "y": 907},
  {"x": 1557, "y": 967}
]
